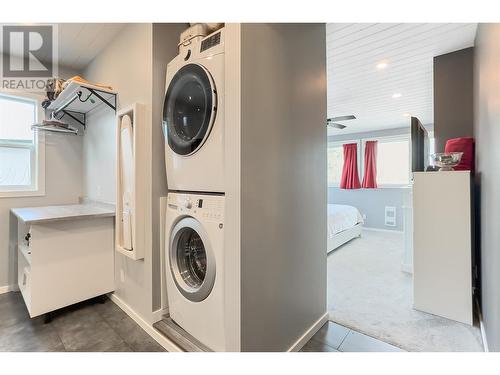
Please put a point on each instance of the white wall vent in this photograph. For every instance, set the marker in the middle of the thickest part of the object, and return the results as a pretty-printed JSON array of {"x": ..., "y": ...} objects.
[{"x": 390, "y": 216}]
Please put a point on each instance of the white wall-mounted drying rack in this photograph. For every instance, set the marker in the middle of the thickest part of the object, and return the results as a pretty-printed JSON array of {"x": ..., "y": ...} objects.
[{"x": 78, "y": 99}]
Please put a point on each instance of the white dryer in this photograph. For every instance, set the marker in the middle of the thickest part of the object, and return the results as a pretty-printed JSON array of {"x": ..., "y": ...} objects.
[
  {"x": 195, "y": 265},
  {"x": 193, "y": 116}
]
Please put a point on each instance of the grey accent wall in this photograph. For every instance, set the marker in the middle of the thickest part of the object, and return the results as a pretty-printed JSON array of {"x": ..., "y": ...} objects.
[
  {"x": 372, "y": 202},
  {"x": 453, "y": 96},
  {"x": 283, "y": 183},
  {"x": 487, "y": 133}
]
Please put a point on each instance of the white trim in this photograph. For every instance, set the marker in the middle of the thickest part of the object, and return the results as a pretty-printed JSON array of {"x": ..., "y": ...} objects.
[
  {"x": 159, "y": 314},
  {"x": 8, "y": 288},
  {"x": 37, "y": 151},
  {"x": 150, "y": 330},
  {"x": 481, "y": 327},
  {"x": 383, "y": 230},
  {"x": 309, "y": 333}
]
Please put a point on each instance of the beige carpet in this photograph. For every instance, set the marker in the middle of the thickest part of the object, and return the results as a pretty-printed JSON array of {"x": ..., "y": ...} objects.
[{"x": 368, "y": 292}]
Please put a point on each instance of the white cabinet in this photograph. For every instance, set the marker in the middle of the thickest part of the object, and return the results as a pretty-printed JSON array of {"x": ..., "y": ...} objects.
[
  {"x": 442, "y": 244},
  {"x": 70, "y": 256}
]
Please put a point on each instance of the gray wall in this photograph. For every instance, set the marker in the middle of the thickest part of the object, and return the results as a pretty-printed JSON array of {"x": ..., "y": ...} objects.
[
  {"x": 487, "y": 133},
  {"x": 372, "y": 202},
  {"x": 283, "y": 182},
  {"x": 165, "y": 39},
  {"x": 453, "y": 96}
]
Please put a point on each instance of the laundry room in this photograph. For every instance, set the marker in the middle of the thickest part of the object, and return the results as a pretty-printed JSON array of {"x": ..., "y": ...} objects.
[{"x": 146, "y": 152}]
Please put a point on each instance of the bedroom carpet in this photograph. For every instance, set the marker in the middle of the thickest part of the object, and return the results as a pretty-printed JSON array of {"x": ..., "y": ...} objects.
[{"x": 368, "y": 292}]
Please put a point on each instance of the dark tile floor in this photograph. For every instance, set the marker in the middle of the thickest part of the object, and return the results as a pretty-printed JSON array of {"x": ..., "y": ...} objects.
[
  {"x": 333, "y": 337},
  {"x": 89, "y": 326},
  {"x": 93, "y": 326}
]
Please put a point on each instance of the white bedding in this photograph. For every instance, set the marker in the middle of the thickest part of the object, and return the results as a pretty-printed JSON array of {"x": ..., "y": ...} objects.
[{"x": 342, "y": 217}]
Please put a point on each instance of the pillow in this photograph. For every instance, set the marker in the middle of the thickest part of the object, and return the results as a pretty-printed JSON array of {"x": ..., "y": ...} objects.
[{"x": 465, "y": 145}]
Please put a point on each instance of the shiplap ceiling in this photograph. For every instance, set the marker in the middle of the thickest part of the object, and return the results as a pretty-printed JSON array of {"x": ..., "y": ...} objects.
[
  {"x": 356, "y": 86},
  {"x": 80, "y": 43}
]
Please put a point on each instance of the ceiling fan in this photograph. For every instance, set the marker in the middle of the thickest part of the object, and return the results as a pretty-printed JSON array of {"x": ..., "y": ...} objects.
[{"x": 333, "y": 121}]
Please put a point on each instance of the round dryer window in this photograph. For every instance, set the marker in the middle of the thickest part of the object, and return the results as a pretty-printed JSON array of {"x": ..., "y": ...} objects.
[
  {"x": 189, "y": 109},
  {"x": 192, "y": 261}
]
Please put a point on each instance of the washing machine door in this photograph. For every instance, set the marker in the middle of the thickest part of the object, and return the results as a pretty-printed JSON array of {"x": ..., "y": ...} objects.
[
  {"x": 192, "y": 261},
  {"x": 189, "y": 109}
]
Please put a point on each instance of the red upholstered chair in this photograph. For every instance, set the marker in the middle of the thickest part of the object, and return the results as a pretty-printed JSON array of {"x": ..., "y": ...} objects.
[{"x": 465, "y": 145}]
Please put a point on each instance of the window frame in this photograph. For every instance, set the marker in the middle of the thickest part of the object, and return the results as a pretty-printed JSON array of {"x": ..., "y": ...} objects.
[
  {"x": 386, "y": 139},
  {"x": 37, "y": 151},
  {"x": 332, "y": 144}
]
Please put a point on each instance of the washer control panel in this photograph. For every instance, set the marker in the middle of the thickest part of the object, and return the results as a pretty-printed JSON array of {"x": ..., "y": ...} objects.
[{"x": 205, "y": 207}]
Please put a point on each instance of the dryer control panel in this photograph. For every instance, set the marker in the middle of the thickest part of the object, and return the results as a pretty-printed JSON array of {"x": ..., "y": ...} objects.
[{"x": 201, "y": 206}]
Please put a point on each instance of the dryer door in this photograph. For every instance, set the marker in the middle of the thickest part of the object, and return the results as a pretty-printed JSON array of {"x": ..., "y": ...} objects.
[
  {"x": 189, "y": 109},
  {"x": 192, "y": 261}
]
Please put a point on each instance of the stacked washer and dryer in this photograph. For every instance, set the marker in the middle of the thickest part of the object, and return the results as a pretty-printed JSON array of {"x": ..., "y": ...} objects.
[{"x": 193, "y": 126}]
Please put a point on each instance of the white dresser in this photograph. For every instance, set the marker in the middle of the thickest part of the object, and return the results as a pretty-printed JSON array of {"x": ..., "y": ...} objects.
[{"x": 442, "y": 259}]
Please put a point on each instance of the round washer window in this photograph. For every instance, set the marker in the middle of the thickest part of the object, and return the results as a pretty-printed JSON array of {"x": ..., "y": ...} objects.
[
  {"x": 191, "y": 258},
  {"x": 189, "y": 109},
  {"x": 192, "y": 261}
]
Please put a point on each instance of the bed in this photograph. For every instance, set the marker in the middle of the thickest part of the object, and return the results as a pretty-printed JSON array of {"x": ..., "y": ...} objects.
[{"x": 344, "y": 224}]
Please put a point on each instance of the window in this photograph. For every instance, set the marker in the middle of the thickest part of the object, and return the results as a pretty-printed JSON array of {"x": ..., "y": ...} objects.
[
  {"x": 21, "y": 152},
  {"x": 335, "y": 164},
  {"x": 336, "y": 161},
  {"x": 393, "y": 161}
]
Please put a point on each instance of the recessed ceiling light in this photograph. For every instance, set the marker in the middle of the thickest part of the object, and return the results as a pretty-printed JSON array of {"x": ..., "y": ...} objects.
[
  {"x": 382, "y": 65},
  {"x": 407, "y": 114},
  {"x": 397, "y": 95}
]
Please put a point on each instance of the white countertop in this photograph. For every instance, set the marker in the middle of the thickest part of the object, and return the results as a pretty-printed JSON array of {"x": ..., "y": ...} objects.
[{"x": 58, "y": 213}]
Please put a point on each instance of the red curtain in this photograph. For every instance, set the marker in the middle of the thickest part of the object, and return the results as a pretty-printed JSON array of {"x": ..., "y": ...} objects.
[
  {"x": 370, "y": 177},
  {"x": 350, "y": 177}
]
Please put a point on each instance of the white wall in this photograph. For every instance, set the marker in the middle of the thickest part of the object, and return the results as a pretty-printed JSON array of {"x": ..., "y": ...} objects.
[
  {"x": 283, "y": 183},
  {"x": 63, "y": 185},
  {"x": 134, "y": 64},
  {"x": 126, "y": 65}
]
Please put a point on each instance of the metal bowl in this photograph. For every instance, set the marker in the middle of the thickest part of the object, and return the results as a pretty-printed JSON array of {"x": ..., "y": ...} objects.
[{"x": 447, "y": 160}]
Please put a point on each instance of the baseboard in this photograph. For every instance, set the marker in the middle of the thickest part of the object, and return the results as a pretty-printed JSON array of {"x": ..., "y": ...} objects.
[
  {"x": 8, "y": 288},
  {"x": 481, "y": 327},
  {"x": 382, "y": 230},
  {"x": 150, "y": 330},
  {"x": 309, "y": 333},
  {"x": 159, "y": 314}
]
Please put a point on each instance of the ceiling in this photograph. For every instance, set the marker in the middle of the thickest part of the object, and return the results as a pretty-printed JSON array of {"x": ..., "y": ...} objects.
[
  {"x": 80, "y": 43},
  {"x": 356, "y": 85}
]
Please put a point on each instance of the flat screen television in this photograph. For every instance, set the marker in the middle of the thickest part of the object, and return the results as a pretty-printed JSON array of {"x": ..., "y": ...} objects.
[{"x": 419, "y": 146}]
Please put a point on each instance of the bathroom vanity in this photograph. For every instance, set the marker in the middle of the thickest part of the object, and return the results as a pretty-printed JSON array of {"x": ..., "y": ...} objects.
[{"x": 65, "y": 254}]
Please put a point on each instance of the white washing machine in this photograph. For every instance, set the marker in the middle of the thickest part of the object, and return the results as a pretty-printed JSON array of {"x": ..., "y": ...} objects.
[
  {"x": 193, "y": 116},
  {"x": 195, "y": 265}
]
